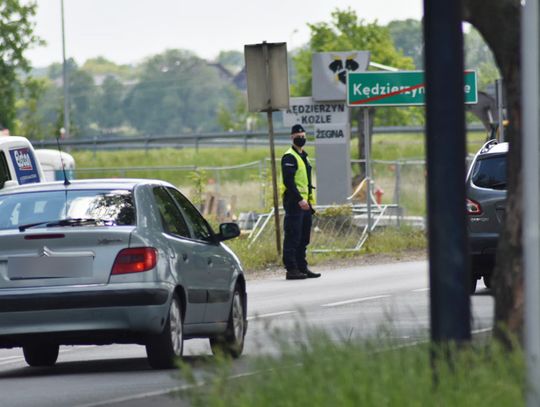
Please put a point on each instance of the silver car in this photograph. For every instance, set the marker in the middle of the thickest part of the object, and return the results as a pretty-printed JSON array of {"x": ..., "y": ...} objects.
[{"x": 115, "y": 261}]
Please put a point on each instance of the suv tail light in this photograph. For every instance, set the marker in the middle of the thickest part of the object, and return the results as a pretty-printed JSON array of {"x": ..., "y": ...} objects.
[
  {"x": 473, "y": 207},
  {"x": 135, "y": 260}
]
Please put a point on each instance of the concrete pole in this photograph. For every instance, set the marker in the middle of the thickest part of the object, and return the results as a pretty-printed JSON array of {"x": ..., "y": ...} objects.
[
  {"x": 65, "y": 77},
  {"x": 367, "y": 152},
  {"x": 449, "y": 272},
  {"x": 531, "y": 195}
]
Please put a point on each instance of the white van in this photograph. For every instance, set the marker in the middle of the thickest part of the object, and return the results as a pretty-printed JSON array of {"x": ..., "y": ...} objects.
[
  {"x": 18, "y": 162},
  {"x": 51, "y": 162}
]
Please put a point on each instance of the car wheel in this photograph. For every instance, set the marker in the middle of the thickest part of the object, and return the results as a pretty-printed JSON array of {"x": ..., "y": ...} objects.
[
  {"x": 231, "y": 343},
  {"x": 163, "y": 349},
  {"x": 487, "y": 280},
  {"x": 43, "y": 354}
]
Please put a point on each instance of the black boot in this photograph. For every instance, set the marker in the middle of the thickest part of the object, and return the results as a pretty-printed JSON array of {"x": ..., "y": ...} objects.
[
  {"x": 311, "y": 274},
  {"x": 295, "y": 274}
]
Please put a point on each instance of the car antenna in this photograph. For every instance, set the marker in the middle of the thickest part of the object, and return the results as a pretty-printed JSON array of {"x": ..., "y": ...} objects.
[{"x": 66, "y": 180}]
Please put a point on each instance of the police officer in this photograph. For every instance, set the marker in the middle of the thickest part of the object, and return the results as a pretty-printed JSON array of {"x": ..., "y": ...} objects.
[{"x": 297, "y": 202}]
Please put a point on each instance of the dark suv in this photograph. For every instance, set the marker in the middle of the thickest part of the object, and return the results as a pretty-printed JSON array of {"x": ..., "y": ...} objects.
[{"x": 486, "y": 199}]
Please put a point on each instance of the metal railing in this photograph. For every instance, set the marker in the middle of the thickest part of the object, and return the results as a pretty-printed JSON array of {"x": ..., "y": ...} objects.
[{"x": 197, "y": 140}]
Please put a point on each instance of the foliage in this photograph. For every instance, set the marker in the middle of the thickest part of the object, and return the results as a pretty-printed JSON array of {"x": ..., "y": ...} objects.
[
  {"x": 199, "y": 179},
  {"x": 407, "y": 37},
  {"x": 110, "y": 112},
  {"x": 319, "y": 371},
  {"x": 346, "y": 32},
  {"x": 237, "y": 117},
  {"x": 16, "y": 36},
  {"x": 29, "y": 122},
  {"x": 177, "y": 92},
  {"x": 231, "y": 60},
  {"x": 478, "y": 56},
  {"x": 104, "y": 67}
]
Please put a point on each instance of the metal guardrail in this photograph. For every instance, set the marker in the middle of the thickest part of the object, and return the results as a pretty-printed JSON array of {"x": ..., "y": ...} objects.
[{"x": 197, "y": 140}]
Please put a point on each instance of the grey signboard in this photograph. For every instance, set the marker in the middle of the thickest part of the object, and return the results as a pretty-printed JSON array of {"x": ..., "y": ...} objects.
[
  {"x": 332, "y": 150},
  {"x": 267, "y": 76},
  {"x": 329, "y": 73}
]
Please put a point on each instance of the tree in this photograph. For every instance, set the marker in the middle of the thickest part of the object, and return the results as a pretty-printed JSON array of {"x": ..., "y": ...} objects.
[
  {"x": 29, "y": 123},
  {"x": 110, "y": 103},
  {"x": 346, "y": 32},
  {"x": 407, "y": 36},
  {"x": 478, "y": 56},
  {"x": 232, "y": 60},
  {"x": 16, "y": 36},
  {"x": 499, "y": 24},
  {"x": 177, "y": 92}
]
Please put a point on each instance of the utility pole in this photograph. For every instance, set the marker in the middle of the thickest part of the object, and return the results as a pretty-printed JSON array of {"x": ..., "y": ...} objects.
[
  {"x": 449, "y": 272},
  {"x": 65, "y": 77}
]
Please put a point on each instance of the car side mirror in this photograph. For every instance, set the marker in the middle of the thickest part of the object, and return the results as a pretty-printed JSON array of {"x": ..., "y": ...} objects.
[{"x": 228, "y": 231}]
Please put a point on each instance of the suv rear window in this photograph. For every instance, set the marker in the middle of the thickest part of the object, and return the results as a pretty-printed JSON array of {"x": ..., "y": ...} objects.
[
  {"x": 113, "y": 206},
  {"x": 490, "y": 172}
]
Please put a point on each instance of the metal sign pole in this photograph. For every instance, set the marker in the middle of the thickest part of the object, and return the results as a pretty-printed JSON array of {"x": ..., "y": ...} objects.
[
  {"x": 531, "y": 194},
  {"x": 367, "y": 153},
  {"x": 499, "y": 96},
  {"x": 272, "y": 150}
]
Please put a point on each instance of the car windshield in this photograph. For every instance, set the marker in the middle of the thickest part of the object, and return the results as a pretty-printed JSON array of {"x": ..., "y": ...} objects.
[
  {"x": 490, "y": 172},
  {"x": 109, "y": 207}
]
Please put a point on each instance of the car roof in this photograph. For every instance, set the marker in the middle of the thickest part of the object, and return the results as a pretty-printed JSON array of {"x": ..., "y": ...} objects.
[
  {"x": 105, "y": 183},
  {"x": 494, "y": 148}
]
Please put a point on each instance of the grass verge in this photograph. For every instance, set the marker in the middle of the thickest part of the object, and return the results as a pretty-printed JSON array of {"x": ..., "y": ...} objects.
[
  {"x": 389, "y": 240},
  {"x": 372, "y": 373}
]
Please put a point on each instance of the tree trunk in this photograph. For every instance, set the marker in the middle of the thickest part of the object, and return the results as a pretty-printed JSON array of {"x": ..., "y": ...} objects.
[{"x": 499, "y": 23}]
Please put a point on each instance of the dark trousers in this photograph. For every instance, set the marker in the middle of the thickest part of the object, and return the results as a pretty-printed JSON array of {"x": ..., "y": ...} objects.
[{"x": 297, "y": 225}]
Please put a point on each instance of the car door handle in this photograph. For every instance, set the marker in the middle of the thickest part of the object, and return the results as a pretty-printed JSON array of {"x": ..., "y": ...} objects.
[
  {"x": 210, "y": 262},
  {"x": 184, "y": 256}
]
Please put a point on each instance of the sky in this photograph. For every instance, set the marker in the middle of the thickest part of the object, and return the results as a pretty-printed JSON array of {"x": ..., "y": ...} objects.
[{"x": 128, "y": 31}]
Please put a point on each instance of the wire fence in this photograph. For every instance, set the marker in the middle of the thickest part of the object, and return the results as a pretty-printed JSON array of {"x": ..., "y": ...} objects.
[{"x": 248, "y": 187}]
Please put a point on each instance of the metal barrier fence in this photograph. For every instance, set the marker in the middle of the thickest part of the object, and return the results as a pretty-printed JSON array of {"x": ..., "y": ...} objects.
[
  {"x": 247, "y": 187},
  {"x": 242, "y": 138}
]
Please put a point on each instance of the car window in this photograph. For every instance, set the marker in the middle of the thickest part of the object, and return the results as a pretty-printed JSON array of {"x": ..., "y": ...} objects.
[
  {"x": 114, "y": 206},
  {"x": 490, "y": 172},
  {"x": 201, "y": 228},
  {"x": 172, "y": 218},
  {"x": 4, "y": 170}
]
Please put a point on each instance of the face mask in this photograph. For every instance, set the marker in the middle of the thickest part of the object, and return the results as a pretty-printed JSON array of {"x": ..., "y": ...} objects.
[{"x": 299, "y": 141}]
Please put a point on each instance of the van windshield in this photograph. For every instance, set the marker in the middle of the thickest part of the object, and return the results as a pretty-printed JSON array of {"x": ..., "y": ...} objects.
[
  {"x": 490, "y": 172},
  {"x": 111, "y": 207}
]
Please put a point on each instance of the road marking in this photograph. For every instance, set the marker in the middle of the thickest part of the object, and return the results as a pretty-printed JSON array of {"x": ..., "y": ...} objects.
[
  {"x": 336, "y": 304},
  {"x": 479, "y": 331},
  {"x": 419, "y": 290},
  {"x": 163, "y": 392},
  {"x": 272, "y": 314}
]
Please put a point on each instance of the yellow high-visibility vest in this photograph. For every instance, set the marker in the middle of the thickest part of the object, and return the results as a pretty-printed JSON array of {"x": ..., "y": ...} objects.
[{"x": 300, "y": 177}]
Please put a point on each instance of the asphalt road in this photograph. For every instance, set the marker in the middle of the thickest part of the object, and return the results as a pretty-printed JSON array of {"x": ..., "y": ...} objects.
[{"x": 350, "y": 302}]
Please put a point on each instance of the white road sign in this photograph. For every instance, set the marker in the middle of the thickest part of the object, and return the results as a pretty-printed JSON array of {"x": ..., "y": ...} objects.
[{"x": 305, "y": 111}]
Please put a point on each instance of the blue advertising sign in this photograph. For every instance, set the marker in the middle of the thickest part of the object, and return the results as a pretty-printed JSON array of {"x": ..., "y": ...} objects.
[{"x": 25, "y": 165}]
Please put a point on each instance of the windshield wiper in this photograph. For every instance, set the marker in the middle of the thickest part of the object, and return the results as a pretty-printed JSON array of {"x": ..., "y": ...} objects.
[
  {"x": 68, "y": 222},
  {"x": 498, "y": 185}
]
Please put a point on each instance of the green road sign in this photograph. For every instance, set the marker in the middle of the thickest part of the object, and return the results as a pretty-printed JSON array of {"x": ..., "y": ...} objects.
[{"x": 406, "y": 88}]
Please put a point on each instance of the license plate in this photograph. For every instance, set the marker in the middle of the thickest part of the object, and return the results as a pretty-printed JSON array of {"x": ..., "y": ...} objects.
[{"x": 20, "y": 268}]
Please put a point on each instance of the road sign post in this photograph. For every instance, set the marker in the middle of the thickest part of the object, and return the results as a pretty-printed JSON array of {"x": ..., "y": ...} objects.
[{"x": 268, "y": 90}]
